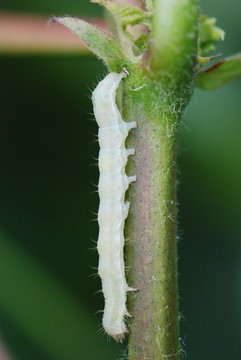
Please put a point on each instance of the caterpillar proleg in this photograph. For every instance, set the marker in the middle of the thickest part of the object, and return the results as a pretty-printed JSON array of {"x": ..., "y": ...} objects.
[{"x": 113, "y": 209}]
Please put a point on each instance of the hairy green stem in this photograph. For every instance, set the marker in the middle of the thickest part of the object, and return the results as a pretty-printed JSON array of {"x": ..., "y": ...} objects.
[
  {"x": 151, "y": 229},
  {"x": 155, "y": 96}
]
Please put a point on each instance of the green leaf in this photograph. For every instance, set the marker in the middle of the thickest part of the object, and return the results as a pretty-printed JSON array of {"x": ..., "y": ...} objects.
[
  {"x": 142, "y": 42},
  {"x": 220, "y": 74},
  {"x": 209, "y": 34},
  {"x": 203, "y": 60},
  {"x": 104, "y": 45},
  {"x": 149, "y": 5},
  {"x": 128, "y": 15}
]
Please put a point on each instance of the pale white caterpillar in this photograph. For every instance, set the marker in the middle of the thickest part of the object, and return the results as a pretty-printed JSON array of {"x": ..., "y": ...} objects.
[{"x": 113, "y": 209}]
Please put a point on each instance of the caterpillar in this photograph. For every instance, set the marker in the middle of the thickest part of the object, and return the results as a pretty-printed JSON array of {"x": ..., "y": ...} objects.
[{"x": 113, "y": 210}]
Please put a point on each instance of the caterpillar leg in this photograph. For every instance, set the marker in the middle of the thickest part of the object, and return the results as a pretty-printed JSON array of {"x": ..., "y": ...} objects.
[
  {"x": 131, "y": 125},
  {"x": 131, "y": 179},
  {"x": 127, "y": 206},
  {"x": 130, "y": 152},
  {"x": 131, "y": 289},
  {"x": 128, "y": 314}
]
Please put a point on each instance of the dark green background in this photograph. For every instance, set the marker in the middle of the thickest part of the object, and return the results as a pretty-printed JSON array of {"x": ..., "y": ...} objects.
[{"x": 47, "y": 149}]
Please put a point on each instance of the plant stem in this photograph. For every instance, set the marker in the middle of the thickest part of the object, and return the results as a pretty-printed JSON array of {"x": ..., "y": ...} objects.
[
  {"x": 173, "y": 42},
  {"x": 154, "y": 96},
  {"x": 151, "y": 231}
]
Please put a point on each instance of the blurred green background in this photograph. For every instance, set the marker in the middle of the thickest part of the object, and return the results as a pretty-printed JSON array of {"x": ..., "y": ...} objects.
[{"x": 47, "y": 200}]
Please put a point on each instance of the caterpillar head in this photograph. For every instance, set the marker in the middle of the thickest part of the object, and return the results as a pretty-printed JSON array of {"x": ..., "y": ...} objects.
[{"x": 103, "y": 97}]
